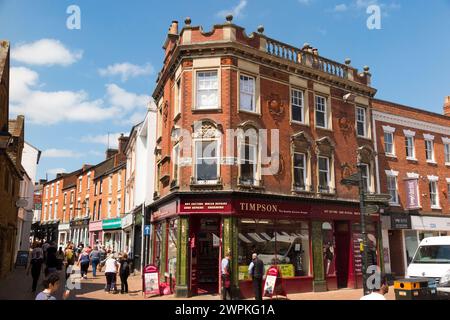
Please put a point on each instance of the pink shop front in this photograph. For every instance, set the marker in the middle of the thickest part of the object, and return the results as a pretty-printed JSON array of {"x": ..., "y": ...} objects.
[{"x": 95, "y": 233}]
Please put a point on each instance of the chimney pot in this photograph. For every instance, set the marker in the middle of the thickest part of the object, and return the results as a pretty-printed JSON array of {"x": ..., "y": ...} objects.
[
  {"x": 229, "y": 18},
  {"x": 188, "y": 21},
  {"x": 174, "y": 28},
  {"x": 261, "y": 29}
]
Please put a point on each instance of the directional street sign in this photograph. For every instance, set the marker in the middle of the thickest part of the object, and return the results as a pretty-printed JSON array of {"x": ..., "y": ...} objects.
[
  {"x": 352, "y": 180},
  {"x": 377, "y": 198},
  {"x": 371, "y": 209}
]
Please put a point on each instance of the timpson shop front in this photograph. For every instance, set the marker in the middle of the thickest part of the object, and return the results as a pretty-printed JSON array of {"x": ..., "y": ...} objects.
[{"x": 316, "y": 245}]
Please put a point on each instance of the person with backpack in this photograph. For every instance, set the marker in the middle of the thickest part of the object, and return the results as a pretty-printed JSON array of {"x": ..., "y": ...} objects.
[
  {"x": 35, "y": 266},
  {"x": 83, "y": 262},
  {"x": 124, "y": 273}
]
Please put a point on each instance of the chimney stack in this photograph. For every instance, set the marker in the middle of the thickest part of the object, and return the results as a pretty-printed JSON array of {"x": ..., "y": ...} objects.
[
  {"x": 111, "y": 153},
  {"x": 447, "y": 106},
  {"x": 122, "y": 143},
  {"x": 174, "y": 28}
]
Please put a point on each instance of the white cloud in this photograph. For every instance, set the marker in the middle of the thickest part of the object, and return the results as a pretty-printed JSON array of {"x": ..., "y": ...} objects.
[
  {"x": 103, "y": 139},
  {"x": 341, "y": 8},
  {"x": 60, "y": 153},
  {"x": 236, "y": 11},
  {"x": 127, "y": 70},
  {"x": 51, "y": 107},
  {"x": 45, "y": 52},
  {"x": 56, "y": 171}
]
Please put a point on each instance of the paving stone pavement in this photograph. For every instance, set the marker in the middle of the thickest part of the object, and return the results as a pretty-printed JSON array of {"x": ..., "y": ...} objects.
[{"x": 17, "y": 286}]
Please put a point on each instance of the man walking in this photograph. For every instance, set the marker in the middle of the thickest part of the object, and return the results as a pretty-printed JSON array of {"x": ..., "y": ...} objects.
[
  {"x": 257, "y": 272},
  {"x": 226, "y": 277}
]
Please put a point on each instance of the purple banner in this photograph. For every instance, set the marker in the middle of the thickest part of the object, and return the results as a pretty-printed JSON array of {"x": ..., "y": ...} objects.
[{"x": 412, "y": 196}]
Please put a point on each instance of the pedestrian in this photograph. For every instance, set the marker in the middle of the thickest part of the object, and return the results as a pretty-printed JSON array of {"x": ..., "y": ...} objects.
[
  {"x": 51, "y": 286},
  {"x": 35, "y": 266},
  {"x": 45, "y": 246},
  {"x": 380, "y": 290},
  {"x": 111, "y": 268},
  {"x": 124, "y": 273},
  {"x": 51, "y": 263},
  {"x": 102, "y": 253},
  {"x": 69, "y": 260},
  {"x": 95, "y": 260},
  {"x": 60, "y": 259},
  {"x": 226, "y": 277},
  {"x": 84, "y": 262},
  {"x": 257, "y": 276}
]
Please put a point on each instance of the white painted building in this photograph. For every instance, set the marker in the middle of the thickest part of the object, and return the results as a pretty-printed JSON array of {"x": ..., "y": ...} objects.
[
  {"x": 140, "y": 183},
  {"x": 30, "y": 161}
]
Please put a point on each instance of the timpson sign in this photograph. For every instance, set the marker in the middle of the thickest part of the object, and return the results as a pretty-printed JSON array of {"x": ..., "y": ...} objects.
[{"x": 286, "y": 208}]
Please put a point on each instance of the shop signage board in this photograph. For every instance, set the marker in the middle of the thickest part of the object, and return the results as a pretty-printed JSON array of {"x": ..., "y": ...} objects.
[
  {"x": 79, "y": 223},
  {"x": 273, "y": 286},
  {"x": 210, "y": 206},
  {"x": 377, "y": 198},
  {"x": 112, "y": 224},
  {"x": 412, "y": 194},
  {"x": 150, "y": 281},
  {"x": 400, "y": 222},
  {"x": 22, "y": 259},
  {"x": 127, "y": 221}
]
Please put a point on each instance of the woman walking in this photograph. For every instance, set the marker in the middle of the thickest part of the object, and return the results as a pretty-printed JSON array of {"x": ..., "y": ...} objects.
[
  {"x": 111, "y": 268},
  {"x": 60, "y": 259},
  {"x": 35, "y": 266},
  {"x": 84, "y": 262},
  {"x": 124, "y": 273},
  {"x": 95, "y": 260},
  {"x": 70, "y": 260}
]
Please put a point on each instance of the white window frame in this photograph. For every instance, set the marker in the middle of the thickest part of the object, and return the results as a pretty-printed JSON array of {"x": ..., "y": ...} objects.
[
  {"x": 391, "y": 132},
  {"x": 410, "y": 138},
  {"x": 369, "y": 177},
  {"x": 218, "y": 157},
  {"x": 51, "y": 191},
  {"x": 391, "y": 174},
  {"x": 325, "y": 112},
  {"x": 447, "y": 154},
  {"x": 57, "y": 190},
  {"x": 80, "y": 186},
  {"x": 256, "y": 155},
  {"x": 119, "y": 180},
  {"x": 109, "y": 208},
  {"x": 197, "y": 90},
  {"x": 110, "y": 184},
  {"x": 301, "y": 106},
  {"x": 433, "y": 183},
  {"x": 178, "y": 95},
  {"x": 429, "y": 150},
  {"x": 328, "y": 174},
  {"x": 176, "y": 162},
  {"x": 361, "y": 121},
  {"x": 305, "y": 171},
  {"x": 247, "y": 92},
  {"x": 118, "y": 206},
  {"x": 88, "y": 181}
]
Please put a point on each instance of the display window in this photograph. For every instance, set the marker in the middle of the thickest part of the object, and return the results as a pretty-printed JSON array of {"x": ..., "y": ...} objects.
[
  {"x": 284, "y": 243},
  {"x": 172, "y": 247},
  {"x": 329, "y": 249},
  {"x": 158, "y": 243}
]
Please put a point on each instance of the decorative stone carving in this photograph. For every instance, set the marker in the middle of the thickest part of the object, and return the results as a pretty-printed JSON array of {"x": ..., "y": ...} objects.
[
  {"x": 345, "y": 124},
  {"x": 206, "y": 130},
  {"x": 301, "y": 141},
  {"x": 276, "y": 107},
  {"x": 325, "y": 146},
  {"x": 366, "y": 154},
  {"x": 166, "y": 112}
]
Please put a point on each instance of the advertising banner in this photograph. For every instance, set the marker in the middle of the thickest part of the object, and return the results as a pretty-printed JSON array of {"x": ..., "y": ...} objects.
[{"x": 412, "y": 194}]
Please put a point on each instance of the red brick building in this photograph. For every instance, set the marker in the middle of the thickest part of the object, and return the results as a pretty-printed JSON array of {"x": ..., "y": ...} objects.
[
  {"x": 413, "y": 149},
  {"x": 216, "y": 192}
]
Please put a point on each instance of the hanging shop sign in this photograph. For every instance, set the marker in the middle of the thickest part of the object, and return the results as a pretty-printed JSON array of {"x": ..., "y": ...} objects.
[
  {"x": 112, "y": 224},
  {"x": 400, "y": 222},
  {"x": 412, "y": 194},
  {"x": 127, "y": 221},
  {"x": 150, "y": 281},
  {"x": 79, "y": 223}
]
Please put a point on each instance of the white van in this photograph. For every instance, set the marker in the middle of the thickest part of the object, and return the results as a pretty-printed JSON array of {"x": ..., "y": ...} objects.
[{"x": 432, "y": 262}]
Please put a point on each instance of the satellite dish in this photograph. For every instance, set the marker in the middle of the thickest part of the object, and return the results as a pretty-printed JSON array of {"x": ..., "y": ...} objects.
[{"x": 22, "y": 203}]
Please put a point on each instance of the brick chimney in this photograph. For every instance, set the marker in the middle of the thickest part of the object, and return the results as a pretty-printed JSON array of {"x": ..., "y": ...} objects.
[
  {"x": 111, "y": 153},
  {"x": 447, "y": 106},
  {"x": 122, "y": 143},
  {"x": 174, "y": 28}
]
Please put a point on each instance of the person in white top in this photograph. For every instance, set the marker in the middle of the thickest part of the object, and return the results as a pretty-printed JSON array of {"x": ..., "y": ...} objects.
[
  {"x": 111, "y": 269},
  {"x": 378, "y": 294}
]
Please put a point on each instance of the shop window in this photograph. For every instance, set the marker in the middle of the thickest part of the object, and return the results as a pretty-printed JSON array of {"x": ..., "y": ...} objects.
[
  {"x": 285, "y": 243},
  {"x": 158, "y": 245},
  {"x": 329, "y": 249},
  {"x": 172, "y": 249},
  {"x": 207, "y": 90}
]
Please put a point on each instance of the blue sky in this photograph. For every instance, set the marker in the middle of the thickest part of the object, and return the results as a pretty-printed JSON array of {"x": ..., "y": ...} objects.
[{"x": 98, "y": 79}]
